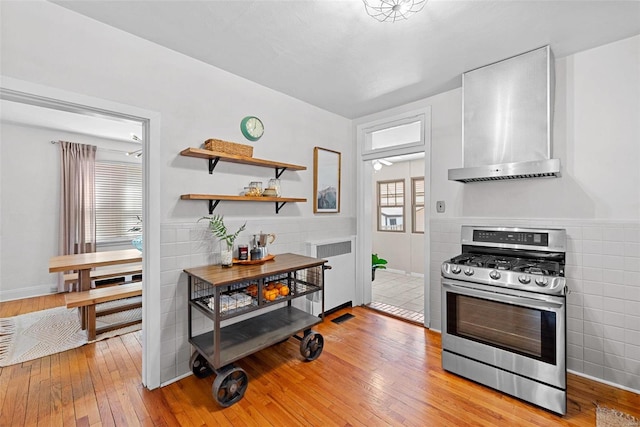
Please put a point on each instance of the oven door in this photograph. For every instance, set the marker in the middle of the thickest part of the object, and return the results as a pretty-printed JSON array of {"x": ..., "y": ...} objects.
[{"x": 517, "y": 331}]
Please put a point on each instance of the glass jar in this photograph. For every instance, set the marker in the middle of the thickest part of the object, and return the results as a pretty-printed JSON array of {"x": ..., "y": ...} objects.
[
  {"x": 243, "y": 252},
  {"x": 274, "y": 184},
  {"x": 255, "y": 189}
]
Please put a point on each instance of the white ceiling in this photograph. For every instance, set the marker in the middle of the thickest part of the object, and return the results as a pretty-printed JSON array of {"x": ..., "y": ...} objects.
[{"x": 331, "y": 54}]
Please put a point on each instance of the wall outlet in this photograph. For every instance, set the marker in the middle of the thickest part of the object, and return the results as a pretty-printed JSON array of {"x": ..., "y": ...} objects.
[{"x": 440, "y": 206}]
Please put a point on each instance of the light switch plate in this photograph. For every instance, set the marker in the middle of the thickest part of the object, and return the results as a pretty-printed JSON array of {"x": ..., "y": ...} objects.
[{"x": 440, "y": 206}]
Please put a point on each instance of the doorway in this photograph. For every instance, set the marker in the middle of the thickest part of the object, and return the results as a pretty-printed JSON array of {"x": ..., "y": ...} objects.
[
  {"x": 398, "y": 236},
  {"x": 31, "y": 94},
  {"x": 393, "y": 175}
]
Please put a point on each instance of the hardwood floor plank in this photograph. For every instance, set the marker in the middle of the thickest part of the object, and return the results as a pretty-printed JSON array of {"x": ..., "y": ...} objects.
[
  {"x": 46, "y": 375},
  {"x": 17, "y": 395},
  {"x": 54, "y": 395},
  {"x": 33, "y": 393},
  {"x": 375, "y": 370},
  {"x": 66, "y": 388},
  {"x": 157, "y": 406},
  {"x": 100, "y": 388}
]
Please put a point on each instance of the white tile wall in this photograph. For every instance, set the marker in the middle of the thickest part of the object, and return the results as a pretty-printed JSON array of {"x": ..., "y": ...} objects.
[
  {"x": 603, "y": 275},
  {"x": 603, "y": 272},
  {"x": 186, "y": 245}
]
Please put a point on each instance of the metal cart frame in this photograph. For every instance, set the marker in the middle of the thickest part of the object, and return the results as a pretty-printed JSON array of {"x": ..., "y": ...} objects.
[{"x": 216, "y": 350}]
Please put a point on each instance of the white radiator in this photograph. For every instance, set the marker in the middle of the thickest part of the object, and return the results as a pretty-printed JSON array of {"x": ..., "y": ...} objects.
[{"x": 340, "y": 280}]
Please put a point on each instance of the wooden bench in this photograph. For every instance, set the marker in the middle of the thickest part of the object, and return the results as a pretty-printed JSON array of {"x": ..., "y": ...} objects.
[
  {"x": 107, "y": 272},
  {"x": 87, "y": 301}
]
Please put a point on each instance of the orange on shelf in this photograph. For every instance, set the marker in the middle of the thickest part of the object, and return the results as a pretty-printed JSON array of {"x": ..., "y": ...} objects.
[{"x": 270, "y": 294}]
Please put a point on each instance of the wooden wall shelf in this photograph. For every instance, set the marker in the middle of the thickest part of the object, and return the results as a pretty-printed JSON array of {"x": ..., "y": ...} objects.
[
  {"x": 214, "y": 199},
  {"x": 214, "y": 157}
]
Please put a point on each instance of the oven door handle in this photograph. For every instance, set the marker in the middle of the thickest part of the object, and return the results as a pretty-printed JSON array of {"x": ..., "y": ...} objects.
[{"x": 524, "y": 301}]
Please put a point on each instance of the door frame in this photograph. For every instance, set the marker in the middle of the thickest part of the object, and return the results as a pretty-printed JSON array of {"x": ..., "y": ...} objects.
[
  {"x": 365, "y": 197},
  {"x": 44, "y": 96}
]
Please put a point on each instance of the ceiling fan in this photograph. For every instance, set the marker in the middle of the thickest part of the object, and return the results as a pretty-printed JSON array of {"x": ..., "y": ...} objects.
[{"x": 377, "y": 163}]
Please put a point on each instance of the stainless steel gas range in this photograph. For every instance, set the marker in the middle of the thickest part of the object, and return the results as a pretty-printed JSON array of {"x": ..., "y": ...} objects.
[{"x": 504, "y": 312}]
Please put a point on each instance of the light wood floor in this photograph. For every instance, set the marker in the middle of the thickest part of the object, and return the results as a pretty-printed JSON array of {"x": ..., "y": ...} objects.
[{"x": 375, "y": 370}]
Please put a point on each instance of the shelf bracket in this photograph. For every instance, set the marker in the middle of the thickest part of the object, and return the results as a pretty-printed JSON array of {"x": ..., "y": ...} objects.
[
  {"x": 212, "y": 164},
  {"x": 279, "y": 206},
  {"x": 212, "y": 205},
  {"x": 279, "y": 172}
]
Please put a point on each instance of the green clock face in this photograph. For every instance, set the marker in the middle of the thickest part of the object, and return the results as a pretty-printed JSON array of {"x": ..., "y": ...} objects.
[{"x": 252, "y": 128}]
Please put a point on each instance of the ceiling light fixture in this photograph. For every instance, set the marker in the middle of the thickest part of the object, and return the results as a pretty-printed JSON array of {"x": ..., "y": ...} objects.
[
  {"x": 392, "y": 10},
  {"x": 376, "y": 165}
]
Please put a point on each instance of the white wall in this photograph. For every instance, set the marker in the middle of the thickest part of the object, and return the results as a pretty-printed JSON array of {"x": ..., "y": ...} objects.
[
  {"x": 30, "y": 172},
  {"x": 45, "y": 44}
]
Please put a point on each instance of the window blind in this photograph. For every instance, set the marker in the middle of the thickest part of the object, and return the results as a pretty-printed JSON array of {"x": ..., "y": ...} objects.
[
  {"x": 118, "y": 200},
  {"x": 418, "y": 205}
]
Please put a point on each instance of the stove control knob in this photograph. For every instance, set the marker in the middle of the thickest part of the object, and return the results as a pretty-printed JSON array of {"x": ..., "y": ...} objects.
[
  {"x": 524, "y": 279},
  {"x": 495, "y": 275},
  {"x": 542, "y": 281},
  {"x": 455, "y": 269},
  {"x": 468, "y": 271}
]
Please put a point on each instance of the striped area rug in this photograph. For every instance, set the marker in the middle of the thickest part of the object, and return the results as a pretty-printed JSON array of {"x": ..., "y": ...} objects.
[{"x": 42, "y": 333}]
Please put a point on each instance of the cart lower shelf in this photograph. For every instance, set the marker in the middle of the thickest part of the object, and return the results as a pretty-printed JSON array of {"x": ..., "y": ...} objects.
[{"x": 249, "y": 336}]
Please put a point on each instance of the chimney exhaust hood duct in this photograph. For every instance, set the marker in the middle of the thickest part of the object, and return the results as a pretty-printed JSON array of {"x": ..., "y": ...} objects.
[{"x": 507, "y": 120}]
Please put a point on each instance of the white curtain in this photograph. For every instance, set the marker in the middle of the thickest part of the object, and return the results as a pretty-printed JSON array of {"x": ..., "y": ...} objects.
[{"x": 77, "y": 204}]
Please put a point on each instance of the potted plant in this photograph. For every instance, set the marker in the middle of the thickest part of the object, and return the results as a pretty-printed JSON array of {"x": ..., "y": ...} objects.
[
  {"x": 377, "y": 262},
  {"x": 218, "y": 229}
]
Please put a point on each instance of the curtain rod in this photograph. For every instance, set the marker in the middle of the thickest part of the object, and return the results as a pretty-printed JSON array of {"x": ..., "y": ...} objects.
[{"x": 101, "y": 148}]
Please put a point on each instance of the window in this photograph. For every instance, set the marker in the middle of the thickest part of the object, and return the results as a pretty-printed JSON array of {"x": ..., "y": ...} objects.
[
  {"x": 407, "y": 133},
  {"x": 394, "y": 136},
  {"x": 118, "y": 200},
  {"x": 417, "y": 205},
  {"x": 391, "y": 205}
]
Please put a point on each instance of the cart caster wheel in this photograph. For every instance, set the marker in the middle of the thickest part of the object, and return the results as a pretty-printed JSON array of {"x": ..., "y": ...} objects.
[
  {"x": 311, "y": 346},
  {"x": 200, "y": 366},
  {"x": 229, "y": 386}
]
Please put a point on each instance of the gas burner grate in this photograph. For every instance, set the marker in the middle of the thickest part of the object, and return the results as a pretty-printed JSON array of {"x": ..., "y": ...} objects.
[
  {"x": 471, "y": 260},
  {"x": 501, "y": 263},
  {"x": 544, "y": 268},
  {"x": 523, "y": 265}
]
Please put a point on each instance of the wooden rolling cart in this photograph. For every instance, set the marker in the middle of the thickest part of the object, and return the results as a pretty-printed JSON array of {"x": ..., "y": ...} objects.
[{"x": 221, "y": 294}]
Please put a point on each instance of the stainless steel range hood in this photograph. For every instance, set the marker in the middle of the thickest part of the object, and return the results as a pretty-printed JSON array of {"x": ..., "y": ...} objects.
[{"x": 507, "y": 120}]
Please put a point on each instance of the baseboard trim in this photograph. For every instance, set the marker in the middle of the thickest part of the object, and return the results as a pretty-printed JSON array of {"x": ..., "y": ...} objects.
[
  {"x": 338, "y": 308},
  {"x": 33, "y": 291},
  {"x": 600, "y": 380}
]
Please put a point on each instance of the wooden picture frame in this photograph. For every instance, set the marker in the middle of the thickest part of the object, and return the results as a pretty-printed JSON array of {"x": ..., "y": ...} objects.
[{"x": 326, "y": 180}]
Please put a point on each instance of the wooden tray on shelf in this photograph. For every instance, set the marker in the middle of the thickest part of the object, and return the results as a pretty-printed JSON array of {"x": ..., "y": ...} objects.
[{"x": 254, "y": 261}]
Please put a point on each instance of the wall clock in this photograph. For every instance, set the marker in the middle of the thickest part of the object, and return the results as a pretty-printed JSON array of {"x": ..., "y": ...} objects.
[{"x": 252, "y": 128}]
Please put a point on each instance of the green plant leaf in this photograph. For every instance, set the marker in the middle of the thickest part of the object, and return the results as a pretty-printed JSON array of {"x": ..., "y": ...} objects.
[
  {"x": 219, "y": 230},
  {"x": 377, "y": 262}
]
